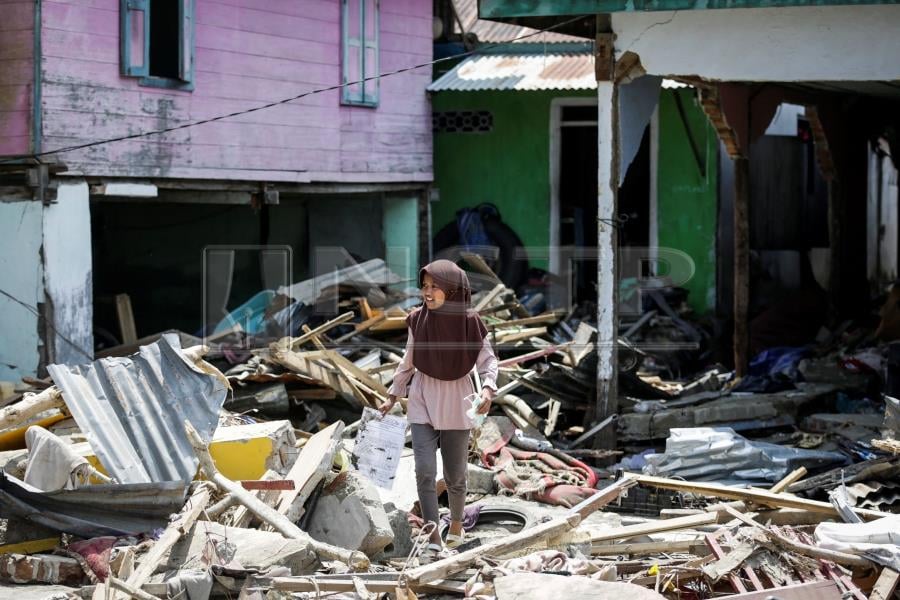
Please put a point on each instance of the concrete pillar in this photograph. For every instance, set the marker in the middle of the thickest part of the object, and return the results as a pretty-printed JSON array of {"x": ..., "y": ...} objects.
[
  {"x": 607, "y": 272},
  {"x": 68, "y": 286}
]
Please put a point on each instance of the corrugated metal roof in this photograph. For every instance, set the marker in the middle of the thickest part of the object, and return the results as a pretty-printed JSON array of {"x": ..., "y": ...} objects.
[
  {"x": 93, "y": 510},
  {"x": 536, "y": 71},
  {"x": 495, "y": 32},
  {"x": 132, "y": 410},
  {"x": 562, "y": 71}
]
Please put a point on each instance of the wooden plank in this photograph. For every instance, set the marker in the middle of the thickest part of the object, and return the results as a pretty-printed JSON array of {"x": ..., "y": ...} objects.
[
  {"x": 269, "y": 484},
  {"x": 313, "y": 463},
  {"x": 126, "y": 319},
  {"x": 650, "y": 548},
  {"x": 630, "y": 531},
  {"x": 312, "y": 333},
  {"x": 30, "y": 547},
  {"x": 489, "y": 297},
  {"x": 504, "y": 545},
  {"x": 550, "y": 317},
  {"x": 177, "y": 528},
  {"x": 885, "y": 586},
  {"x": 818, "y": 590},
  {"x": 762, "y": 497},
  {"x": 713, "y": 543},
  {"x": 295, "y": 362}
]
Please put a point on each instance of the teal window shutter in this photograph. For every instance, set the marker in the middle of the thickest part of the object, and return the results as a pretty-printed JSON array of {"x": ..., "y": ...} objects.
[
  {"x": 186, "y": 38},
  {"x": 359, "y": 52},
  {"x": 370, "y": 51},
  {"x": 134, "y": 38}
]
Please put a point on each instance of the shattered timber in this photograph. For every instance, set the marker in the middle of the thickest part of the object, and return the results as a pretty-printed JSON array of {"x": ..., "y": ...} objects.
[
  {"x": 678, "y": 222},
  {"x": 213, "y": 471}
]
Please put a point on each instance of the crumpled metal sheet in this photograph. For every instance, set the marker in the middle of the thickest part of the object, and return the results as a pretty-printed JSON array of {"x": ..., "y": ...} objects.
[
  {"x": 132, "y": 410},
  {"x": 721, "y": 455},
  {"x": 92, "y": 511}
]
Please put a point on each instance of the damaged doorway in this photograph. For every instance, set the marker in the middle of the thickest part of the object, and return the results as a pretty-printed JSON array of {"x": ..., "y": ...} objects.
[{"x": 573, "y": 220}]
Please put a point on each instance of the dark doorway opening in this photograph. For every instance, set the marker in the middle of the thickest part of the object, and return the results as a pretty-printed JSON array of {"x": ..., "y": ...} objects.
[{"x": 578, "y": 195}]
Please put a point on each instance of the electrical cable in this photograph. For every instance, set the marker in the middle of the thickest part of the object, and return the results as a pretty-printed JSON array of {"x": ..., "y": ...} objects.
[{"x": 49, "y": 323}]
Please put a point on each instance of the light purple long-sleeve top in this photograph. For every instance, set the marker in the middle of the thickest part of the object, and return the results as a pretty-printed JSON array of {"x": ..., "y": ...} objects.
[{"x": 437, "y": 402}]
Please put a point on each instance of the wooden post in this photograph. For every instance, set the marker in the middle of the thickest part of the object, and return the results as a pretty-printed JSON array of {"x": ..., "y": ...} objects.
[
  {"x": 741, "y": 264},
  {"x": 607, "y": 212},
  {"x": 126, "y": 319},
  {"x": 835, "y": 221},
  {"x": 885, "y": 586}
]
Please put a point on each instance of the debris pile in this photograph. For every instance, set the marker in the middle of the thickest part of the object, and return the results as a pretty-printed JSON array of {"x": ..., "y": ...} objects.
[{"x": 243, "y": 467}]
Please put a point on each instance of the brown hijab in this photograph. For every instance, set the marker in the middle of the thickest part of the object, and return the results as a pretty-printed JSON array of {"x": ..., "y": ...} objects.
[{"x": 448, "y": 339}]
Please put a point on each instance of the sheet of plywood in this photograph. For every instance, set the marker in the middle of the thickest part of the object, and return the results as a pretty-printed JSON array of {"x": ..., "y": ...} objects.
[{"x": 313, "y": 463}]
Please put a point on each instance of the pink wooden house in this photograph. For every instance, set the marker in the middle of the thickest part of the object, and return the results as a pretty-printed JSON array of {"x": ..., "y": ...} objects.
[{"x": 343, "y": 167}]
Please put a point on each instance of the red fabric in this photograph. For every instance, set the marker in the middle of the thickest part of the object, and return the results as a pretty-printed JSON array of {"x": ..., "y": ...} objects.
[
  {"x": 96, "y": 553},
  {"x": 554, "y": 490}
]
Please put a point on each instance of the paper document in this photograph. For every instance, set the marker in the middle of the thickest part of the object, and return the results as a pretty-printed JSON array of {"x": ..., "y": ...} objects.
[{"x": 379, "y": 445}]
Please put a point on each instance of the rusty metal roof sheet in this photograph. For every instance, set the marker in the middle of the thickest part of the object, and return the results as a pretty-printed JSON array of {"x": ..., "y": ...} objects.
[
  {"x": 550, "y": 71},
  {"x": 132, "y": 410}
]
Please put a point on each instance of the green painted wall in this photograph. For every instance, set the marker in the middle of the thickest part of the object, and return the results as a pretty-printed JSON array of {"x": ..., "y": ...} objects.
[
  {"x": 508, "y": 166},
  {"x": 401, "y": 236},
  {"x": 686, "y": 200}
]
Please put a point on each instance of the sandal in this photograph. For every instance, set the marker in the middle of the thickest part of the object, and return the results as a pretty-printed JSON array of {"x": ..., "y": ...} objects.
[
  {"x": 434, "y": 552},
  {"x": 454, "y": 541}
]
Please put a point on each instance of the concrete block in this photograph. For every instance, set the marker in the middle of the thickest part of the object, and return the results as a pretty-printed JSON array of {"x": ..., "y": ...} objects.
[
  {"x": 41, "y": 568},
  {"x": 350, "y": 514},
  {"x": 479, "y": 480},
  {"x": 251, "y": 548},
  {"x": 402, "y": 543}
]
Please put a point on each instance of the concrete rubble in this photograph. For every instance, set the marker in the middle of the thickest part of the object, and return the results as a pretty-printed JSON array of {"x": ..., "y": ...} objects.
[{"x": 237, "y": 479}]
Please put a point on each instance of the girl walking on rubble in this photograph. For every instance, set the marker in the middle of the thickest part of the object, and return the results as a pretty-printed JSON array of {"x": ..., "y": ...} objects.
[{"x": 446, "y": 340}]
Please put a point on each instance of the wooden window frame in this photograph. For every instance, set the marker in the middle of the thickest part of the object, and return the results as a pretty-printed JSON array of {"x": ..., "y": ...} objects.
[
  {"x": 186, "y": 34},
  {"x": 370, "y": 82}
]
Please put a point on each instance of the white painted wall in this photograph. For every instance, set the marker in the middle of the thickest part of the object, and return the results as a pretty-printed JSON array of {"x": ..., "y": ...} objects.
[
  {"x": 832, "y": 43},
  {"x": 22, "y": 278},
  {"x": 67, "y": 272}
]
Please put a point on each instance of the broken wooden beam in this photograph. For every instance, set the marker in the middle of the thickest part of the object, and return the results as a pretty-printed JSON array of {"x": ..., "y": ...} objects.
[
  {"x": 32, "y": 404},
  {"x": 291, "y": 343},
  {"x": 841, "y": 558},
  {"x": 761, "y": 497},
  {"x": 173, "y": 532},
  {"x": 630, "y": 531},
  {"x": 278, "y": 521},
  {"x": 559, "y": 525},
  {"x": 268, "y": 484},
  {"x": 885, "y": 585}
]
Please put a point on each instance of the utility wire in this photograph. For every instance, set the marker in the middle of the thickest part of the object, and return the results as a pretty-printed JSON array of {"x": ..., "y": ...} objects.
[
  {"x": 132, "y": 136},
  {"x": 49, "y": 324}
]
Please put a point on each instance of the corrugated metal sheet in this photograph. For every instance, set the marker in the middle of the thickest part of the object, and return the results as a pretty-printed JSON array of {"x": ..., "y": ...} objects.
[
  {"x": 494, "y": 32},
  {"x": 94, "y": 510},
  {"x": 537, "y": 71},
  {"x": 132, "y": 410},
  {"x": 562, "y": 71}
]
